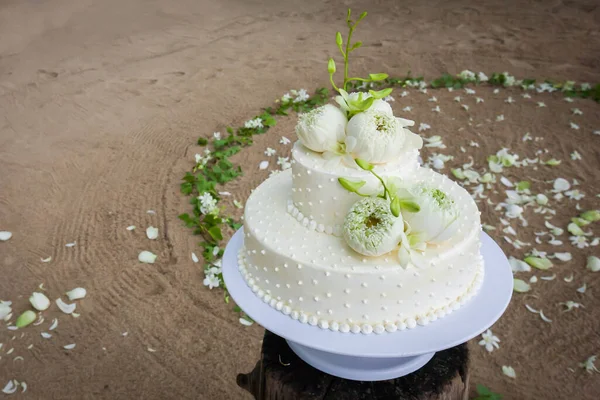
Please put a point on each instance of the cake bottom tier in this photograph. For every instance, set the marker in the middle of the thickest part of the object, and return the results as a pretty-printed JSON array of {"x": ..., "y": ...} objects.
[{"x": 316, "y": 278}]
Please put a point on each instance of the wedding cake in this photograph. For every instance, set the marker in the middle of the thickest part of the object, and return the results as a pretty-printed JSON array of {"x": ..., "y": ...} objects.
[{"x": 356, "y": 236}]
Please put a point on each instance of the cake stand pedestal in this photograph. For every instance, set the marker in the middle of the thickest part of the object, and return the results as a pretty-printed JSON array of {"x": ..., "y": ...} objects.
[{"x": 389, "y": 355}]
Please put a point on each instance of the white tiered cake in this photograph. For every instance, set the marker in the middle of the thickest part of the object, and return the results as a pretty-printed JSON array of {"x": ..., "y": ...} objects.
[{"x": 297, "y": 258}]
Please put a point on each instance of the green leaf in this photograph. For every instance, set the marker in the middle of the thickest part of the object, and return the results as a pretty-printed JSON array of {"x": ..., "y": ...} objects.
[
  {"x": 202, "y": 141},
  {"x": 381, "y": 93},
  {"x": 331, "y": 66},
  {"x": 363, "y": 164},
  {"x": 351, "y": 186},
  {"x": 229, "y": 130},
  {"x": 483, "y": 391},
  {"x": 25, "y": 319},
  {"x": 237, "y": 309},
  {"x": 574, "y": 229},
  {"x": 580, "y": 221},
  {"x": 378, "y": 77},
  {"x": 591, "y": 215},
  {"x": 356, "y": 45},
  {"x": 552, "y": 162},
  {"x": 187, "y": 188},
  {"x": 458, "y": 173},
  {"x": 410, "y": 206},
  {"x": 395, "y": 207},
  {"x": 215, "y": 233},
  {"x": 523, "y": 185}
]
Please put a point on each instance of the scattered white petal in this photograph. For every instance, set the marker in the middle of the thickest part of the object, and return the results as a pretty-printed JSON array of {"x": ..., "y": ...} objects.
[
  {"x": 541, "y": 104},
  {"x": 45, "y": 260},
  {"x": 151, "y": 212},
  {"x": 64, "y": 307},
  {"x": 263, "y": 165},
  {"x": 583, "y": 288},
  {"x": 69, "y": 346},
  {"x": 424, "y": 127},
  {"x": 593, "y": 263},
  {"x": 518, "y": 265},
  {"x": 151, "y": 350},
  {"x": 574, "y": 125},
  {"x": 54, "y": 324},
  {"x": 506, "y": 182},
  {"x": 531, "y": 309},
  {"x": 152, "y": 232},
  {"x": 569, "y": 99},
  {"x": 509, "y": 371},
  {"x": 526, "y": 95},
  {"x": 576, "y": 111},
  {"x": 533, "y": 279},
  {"x": 46, "y": 335},
  {"x": 478, "y": 100},
  {"x": 71, "y": 244},
  {"x": 569, "y": 279},
  {"x": 194, "y": 257},
  {"x": 5, "y": 235},
  {"x": 500, "y": 117},
  {"x": 407, "y": 109},
  {"x": 544, "y": 318},
  {"x": 589, "y": 365},
  {"x": 489, "y": 341},
  {"x": 433, "y": 99},
  {"x": 224, "y": 193},
  {"x": 457, "y": 98},
  {"x": 270, "y": 152},
  {"x": 284, "y": 140},
  {"x": 130, "y": 227},
  {"x": 40, "y": 320},
  {"x": 563, "y": 256},
  {"x": 436, "y": 109},
  {"x": 561, "y": 184},
  {"x": 509, "y": 100},
  {"x": 24, "y": 387},
  {"x": 39, "y": 301},
  {"x": 496, "y": 91},
  {"x": 124, "y": 334},
  {"x": 10, "y": 387},
  {"x": 147, "y": 257},
  {"x": 245, "y": 322},
  {"x": 549, "y": 278},
  {"x": 466, "y": 107},
  {"x": 76, "y": 294},
  {"x": 75, "y": 315},
  {"x": 520, "y": 286},
  {"x": 570, "y": 305}
]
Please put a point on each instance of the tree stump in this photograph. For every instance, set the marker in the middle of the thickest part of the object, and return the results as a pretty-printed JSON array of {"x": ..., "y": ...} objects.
[{"x": 280, "y": 374}]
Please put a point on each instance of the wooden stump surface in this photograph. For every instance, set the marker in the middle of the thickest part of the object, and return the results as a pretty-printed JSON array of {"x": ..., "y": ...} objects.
[{"x": 280, "y": 374}]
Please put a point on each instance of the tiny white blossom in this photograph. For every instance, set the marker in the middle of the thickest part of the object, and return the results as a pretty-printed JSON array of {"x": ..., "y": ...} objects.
[
  {"x": 580, "y": 242},
  {"x": 482, "y": 77},
  {"x": 586, "y": 86},
  {"x": 407, "y": 109},
  {"x": 496, "y": 91},
  {"x": 574, "y": 194},
  {"x": 574, "y": 126},
  {"x": 270, "y": 152},
  {"x": 389, "y": 98},
  {"x": 500, "y": 117},
  {"x": 212, "y": 281},
  {"x": 284, "y": 140},
  {"x": 589, "y": 364},
  {"x": 576, "y": 111},
  {"x": 473, "y": 144},
  {"x": 198, "y": 158},
  {"x": 509, "y": 100},
  {"x": 575, "y": 155},
  {"x": 404, "y": 94},
  {"x": 217, "y": 135},
  {"x": 546, "y": 87},
  {"x": 286, "y": 98},
  {"x": 284, "y": 162},
  {"x": 434, "y": 99},
  {"x": 301, "y": 96},
  {"x": 207, "y": 203},
  {"x": 469, "y": 91},
  {"x": 436, "y": 109},
  {"x": 253, "y": 123},
  {"x": 526, "y": 95},
  {"x": 478, "y": 100},
  {"x": 527, "y": 137},
  {"x": 489, "y": 341},
  {"x": 423, "y": 126},
  {"x": 541, "y": 104},
  {"x": 467, "y": 75},
  {"x": 466, "y": 107},
  {"x": 457, "y": 98}
]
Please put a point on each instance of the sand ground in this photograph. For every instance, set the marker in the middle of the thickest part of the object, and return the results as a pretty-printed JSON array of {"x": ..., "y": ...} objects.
[{"x": 101, "y": 103}]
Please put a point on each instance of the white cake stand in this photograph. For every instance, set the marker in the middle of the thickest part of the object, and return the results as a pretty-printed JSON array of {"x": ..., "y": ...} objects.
[{"x": 389, "y": 355}]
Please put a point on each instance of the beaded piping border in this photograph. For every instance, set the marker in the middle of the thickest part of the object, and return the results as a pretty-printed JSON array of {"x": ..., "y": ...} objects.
[
  {"x": 366, "y": 328},
  {"x": 311, "y": 223}
]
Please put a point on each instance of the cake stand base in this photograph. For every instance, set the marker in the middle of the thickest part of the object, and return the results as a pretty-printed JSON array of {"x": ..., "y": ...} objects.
[{"x": 360, "y": 368}]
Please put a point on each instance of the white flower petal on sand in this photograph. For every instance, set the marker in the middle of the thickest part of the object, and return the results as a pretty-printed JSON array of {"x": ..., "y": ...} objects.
[
  {"x": 583, "y": 288},
  {"x": 39, "y": 301},
  {"x": 54, "y": 324},
  {"x": 377, "y": 137},
  {"x": 371, "y": 229},
  {"x": 518, "y": 265},
  {"x": 531, "y": 309},
  {"x": 71, "y": 244},
  {"x": 10, "y": 387},
  {"x": 147, "y": 257},
  {"x": 589, "y": 365},
  {"x": 152, "y": 212},
  {"x": 152, "y": 232},
  {"x": 323, "y": 128},
  {"x": 509, "y": 371},
  {"x": 64, "y": 307},
  {"x": 561, "y": 184},
  {"x": 245, "y": 322},
  {"x": 5, "y": 310},
  {"x": 544, "y": 318},
  {"x": 45, "y": 260},
  {"x": 563, "y": 256},
  {"x": 130, "y": 227},
  {"x": 263, "y": 165},
  {"x": 5, "y": 235},
  {"x": 46, "y": 335},
  {"x": 520, "y": 286},
  {"x": 76, "y": 294},
  {"x": 194, "y": 257},
  {"x": 593, "y": 263},
  {"x": 69, "y": 346}
]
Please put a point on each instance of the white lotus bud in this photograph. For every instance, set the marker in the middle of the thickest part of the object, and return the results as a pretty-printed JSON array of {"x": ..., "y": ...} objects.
[
  {"x": 322, "y": 129},
  {"x": 371, "y": 229}
]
